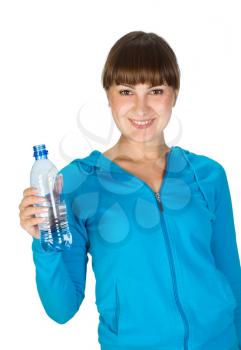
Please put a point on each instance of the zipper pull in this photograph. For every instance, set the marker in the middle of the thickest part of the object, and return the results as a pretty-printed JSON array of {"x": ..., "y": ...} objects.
[{"x": 158, "y": 198}]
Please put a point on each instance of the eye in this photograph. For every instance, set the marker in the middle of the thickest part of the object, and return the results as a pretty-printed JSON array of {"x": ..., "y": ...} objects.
[
  {"x": 123, "y": 92},
  {"x": 159, "y": 91}
]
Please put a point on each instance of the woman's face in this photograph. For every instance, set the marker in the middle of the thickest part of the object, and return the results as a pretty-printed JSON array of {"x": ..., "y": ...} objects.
[{"x": 130, "y": 104}]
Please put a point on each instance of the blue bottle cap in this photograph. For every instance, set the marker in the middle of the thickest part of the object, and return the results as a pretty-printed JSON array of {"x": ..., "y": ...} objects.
[{"x": 40, "y": 152}]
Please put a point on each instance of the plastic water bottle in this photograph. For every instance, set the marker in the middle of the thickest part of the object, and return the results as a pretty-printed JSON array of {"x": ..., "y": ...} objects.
[{"x": 54, "y": 231}]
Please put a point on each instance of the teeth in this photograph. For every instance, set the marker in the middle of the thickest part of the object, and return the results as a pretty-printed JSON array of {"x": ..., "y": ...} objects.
[{"x": 141, "y": 122}]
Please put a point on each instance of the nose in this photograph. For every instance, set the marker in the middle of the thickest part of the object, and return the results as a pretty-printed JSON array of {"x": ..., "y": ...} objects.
[{"x": 141, "y": 106}]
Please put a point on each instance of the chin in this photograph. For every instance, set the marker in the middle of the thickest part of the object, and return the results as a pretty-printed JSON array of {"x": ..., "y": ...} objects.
[{"x": 141, "y": 139}]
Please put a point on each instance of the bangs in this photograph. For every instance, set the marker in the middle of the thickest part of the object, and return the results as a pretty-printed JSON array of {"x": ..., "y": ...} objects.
[{"x": 141, "y": 61}]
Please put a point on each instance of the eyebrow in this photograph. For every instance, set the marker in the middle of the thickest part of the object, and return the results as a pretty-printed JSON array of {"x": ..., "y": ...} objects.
[{"x": 131, "y": 86}]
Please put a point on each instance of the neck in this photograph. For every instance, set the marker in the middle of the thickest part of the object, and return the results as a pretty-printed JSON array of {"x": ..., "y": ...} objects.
[{"x": 142, "y": 152}]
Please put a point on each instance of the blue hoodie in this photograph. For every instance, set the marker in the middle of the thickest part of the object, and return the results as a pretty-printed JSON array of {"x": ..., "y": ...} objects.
[{"x": 166, "y": 264}]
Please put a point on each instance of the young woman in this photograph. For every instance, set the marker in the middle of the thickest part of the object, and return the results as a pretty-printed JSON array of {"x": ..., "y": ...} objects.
[{"x": 156, "y": 220}]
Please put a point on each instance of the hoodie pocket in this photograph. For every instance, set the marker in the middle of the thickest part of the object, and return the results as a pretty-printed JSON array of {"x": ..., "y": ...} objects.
[
  {"x": 109, "y": 314},
  {"x": 227, "y": 290}
]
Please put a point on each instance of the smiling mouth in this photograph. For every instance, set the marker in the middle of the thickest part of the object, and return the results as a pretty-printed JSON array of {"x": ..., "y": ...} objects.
[{"x": 141, "y": 124}]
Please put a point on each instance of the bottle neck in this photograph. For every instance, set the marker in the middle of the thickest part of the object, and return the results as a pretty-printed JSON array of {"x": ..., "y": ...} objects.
[{"x": 38, "y": 157}]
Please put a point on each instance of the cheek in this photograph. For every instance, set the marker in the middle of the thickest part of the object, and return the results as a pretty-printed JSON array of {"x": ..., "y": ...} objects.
[
  {"x": 120, "y": 110},
  {"x": 164, "y": 108}
]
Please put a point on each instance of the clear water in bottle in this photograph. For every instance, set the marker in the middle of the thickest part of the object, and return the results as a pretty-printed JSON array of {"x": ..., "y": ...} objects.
[{"x": 54, "y": 231}]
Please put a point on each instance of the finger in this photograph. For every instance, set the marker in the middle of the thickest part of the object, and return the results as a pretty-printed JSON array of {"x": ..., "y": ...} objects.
[
  {"x": 29, "y": 211},
  {"x": 30, "y": 190},
  {"x": 29, "y": 222},
  {"x": 30, "y": 200}
]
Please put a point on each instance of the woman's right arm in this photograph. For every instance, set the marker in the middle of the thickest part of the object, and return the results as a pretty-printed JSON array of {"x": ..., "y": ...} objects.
[{"x": 60, "y": 276}]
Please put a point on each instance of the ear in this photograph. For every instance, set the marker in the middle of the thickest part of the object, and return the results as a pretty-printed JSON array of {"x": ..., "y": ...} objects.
[{"x": 175, "y": 97}]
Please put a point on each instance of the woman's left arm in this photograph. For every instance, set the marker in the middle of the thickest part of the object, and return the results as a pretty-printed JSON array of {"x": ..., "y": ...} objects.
[{"x": 224, "y": 243}]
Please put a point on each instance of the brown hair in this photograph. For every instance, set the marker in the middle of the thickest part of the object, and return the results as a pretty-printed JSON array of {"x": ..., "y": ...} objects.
[{"x": 140, "y": 57}]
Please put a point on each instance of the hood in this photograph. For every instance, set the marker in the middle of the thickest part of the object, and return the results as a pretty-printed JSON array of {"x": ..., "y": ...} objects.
[
  {"x": 185, "y": 171},
  {"x": 176, "y": 161}
]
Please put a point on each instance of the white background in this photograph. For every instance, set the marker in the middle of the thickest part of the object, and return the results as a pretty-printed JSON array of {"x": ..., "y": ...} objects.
[{"x": 52, "y": 55}]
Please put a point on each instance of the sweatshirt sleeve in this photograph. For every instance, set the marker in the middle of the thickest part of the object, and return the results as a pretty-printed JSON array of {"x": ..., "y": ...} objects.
[
  {"x": 61, "y": 276},
  {"x": 224, "y": 244}
]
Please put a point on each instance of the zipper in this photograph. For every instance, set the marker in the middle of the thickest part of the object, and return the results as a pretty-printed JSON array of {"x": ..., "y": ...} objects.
[
  {"x": 171, "y": 263},
  {"x": 170, "y": 257}
]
